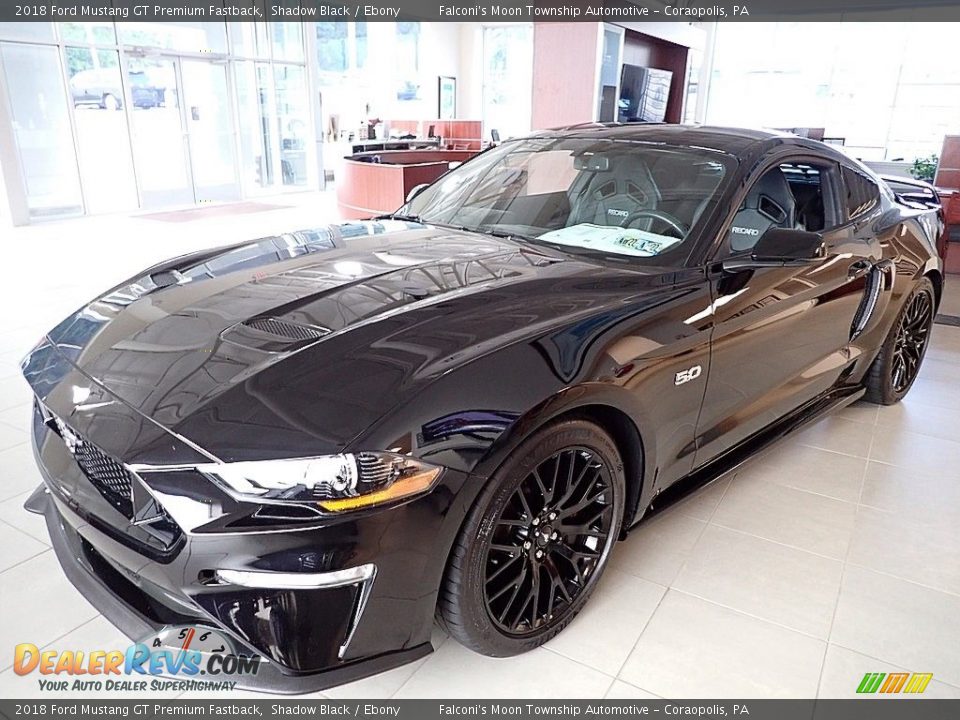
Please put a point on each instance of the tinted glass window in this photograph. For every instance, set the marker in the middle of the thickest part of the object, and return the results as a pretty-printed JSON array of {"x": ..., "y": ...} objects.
[
  {"x": 611, "y": 197},
  {"x": 861, "y": 192},
  {"x": 790, "y": 196}
]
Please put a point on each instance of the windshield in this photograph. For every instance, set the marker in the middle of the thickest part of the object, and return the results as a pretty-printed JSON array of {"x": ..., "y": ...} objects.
[{"x": 614, "y": 197}]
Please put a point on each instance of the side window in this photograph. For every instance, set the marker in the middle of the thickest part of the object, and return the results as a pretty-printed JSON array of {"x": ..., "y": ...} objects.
[
  {"x": 861, "y": 193},
  {"x": 793, "y": 195}
]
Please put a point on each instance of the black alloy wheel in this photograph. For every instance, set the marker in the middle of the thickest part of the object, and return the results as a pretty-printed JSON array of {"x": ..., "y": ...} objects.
[
  {"x": 911, "y": 343},
  {"x": 548, "y": 541},
  {"x": 532, "y": 550},
  {"x": 897, "y": 365}
]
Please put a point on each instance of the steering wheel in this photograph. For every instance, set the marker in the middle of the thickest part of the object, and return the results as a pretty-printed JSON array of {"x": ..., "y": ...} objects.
[{"x": 660, "y": 215}]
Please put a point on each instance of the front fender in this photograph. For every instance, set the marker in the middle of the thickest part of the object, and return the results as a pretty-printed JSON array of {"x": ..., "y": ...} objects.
[{"x": 471, "y": 420}]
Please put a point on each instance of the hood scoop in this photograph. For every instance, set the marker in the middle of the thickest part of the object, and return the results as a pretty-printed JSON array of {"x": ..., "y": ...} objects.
[{"x": 271, "y": 334}]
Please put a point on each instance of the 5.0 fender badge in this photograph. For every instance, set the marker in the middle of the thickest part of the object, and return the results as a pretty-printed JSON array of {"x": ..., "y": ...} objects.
[{"x": 685, "y": 376}]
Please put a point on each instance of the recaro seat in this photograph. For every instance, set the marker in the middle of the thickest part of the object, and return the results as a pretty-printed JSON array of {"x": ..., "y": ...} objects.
[{"x": 770, "y": 203}]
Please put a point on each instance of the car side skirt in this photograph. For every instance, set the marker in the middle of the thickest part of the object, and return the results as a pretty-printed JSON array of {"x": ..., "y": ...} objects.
[{"x": 751, "y": 448}]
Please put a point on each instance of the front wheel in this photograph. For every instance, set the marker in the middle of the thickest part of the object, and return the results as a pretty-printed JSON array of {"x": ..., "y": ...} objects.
[
  {"x": 897, "y": 365},
  {"x": 532, "y": 550}
]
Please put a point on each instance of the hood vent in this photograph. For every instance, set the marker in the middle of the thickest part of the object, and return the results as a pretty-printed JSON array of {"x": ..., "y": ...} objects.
[
  {"x": 286, "y": 329},
  {"x": 272, "y": 334}
]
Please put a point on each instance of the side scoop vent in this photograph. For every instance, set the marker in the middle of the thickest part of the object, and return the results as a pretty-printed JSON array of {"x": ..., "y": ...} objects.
[
  {"x": 272, "y": 334},
  {"x": 874, "y": 286}
]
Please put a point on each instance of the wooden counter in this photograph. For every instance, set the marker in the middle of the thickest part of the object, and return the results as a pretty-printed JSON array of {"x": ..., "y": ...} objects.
[{"x": 366, "y": 189}]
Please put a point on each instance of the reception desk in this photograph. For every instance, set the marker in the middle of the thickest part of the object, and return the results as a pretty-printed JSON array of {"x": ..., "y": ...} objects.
[{"x": 376, "y": 183}]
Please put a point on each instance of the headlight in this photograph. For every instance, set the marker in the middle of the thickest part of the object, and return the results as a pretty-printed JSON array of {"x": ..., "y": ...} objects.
[{"x": 333, "y": 482}]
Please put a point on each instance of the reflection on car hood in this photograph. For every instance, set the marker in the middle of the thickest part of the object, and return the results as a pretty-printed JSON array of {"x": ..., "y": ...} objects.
[{"x": 312, "y": 336}]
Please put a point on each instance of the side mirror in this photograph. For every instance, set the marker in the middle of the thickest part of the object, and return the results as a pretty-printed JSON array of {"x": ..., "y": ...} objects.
[
  {"x": 781, "y": 246},
  {"x": 416, "y": 190}
]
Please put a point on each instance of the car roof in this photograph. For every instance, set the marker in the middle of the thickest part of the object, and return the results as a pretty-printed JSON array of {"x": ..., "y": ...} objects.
[{"x": 725, "y": 139}]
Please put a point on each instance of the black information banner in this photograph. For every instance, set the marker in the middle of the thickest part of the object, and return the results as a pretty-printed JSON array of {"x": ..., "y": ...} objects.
[
  {"x": 873, "y": 709},
  {"x": 467, "y": 11}
]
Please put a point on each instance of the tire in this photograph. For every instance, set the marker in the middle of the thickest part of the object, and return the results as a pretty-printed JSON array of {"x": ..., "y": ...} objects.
[
  {"x": 896, "y": 367},
  {"x": 512, "y": 514},
  {"x": 110, "y": 102}
]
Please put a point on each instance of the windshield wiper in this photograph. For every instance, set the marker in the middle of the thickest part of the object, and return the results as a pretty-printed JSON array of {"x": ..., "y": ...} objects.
[
  {"x": 506, "y": 235},
  {"x": 418, "y": 219},
  {"x": 401, "y": 216}
]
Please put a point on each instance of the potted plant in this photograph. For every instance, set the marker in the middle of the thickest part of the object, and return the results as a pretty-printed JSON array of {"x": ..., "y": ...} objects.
[{"x": 925, "y": 168}]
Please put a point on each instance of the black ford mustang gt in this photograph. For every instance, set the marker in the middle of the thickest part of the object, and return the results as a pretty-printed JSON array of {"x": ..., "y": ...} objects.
[{"x": 316, "y": 441}]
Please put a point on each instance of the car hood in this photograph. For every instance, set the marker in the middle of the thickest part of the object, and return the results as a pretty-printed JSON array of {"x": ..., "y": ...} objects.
[{"x": 298, "y": 342}]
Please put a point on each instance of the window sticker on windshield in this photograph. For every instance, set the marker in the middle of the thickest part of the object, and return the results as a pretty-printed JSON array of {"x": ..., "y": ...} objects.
[{"x": 612, "y": 239}]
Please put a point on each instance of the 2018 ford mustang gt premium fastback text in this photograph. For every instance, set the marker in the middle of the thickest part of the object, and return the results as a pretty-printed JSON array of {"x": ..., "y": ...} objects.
[{"x": 316, "y": 442}]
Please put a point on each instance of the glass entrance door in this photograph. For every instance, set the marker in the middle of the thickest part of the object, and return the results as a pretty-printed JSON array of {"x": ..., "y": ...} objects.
[
  {"x": 160, "y": 153},
  {"x": 182, "y": 131},
  {"x": 209, "y": 125}
]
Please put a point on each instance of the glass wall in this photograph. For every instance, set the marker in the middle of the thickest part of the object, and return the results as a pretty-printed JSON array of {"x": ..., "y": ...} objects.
[
  {"x": 273, "y": 106},
  {"x": 103, "y": 154},
  {"x": 385, "y": 70},
  {"x": 162, "y": 156},
  {"x": 41, "y": 127},
  {"x": 257, "y": 119},
  {"x": 890, "y": 90},
  {"x": 290, "y": 88},
  {"x": 191, "y": 37},
  {"x": 507, "y": 79},
  {"x": 144, "y": 115}
]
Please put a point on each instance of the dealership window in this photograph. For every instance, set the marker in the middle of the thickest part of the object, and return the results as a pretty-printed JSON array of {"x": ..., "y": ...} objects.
[
  {"x": 250, "y": 39},
  {"x": 111, "y": 117},
  {"x": 257, "y": 124},
  {"x": 274, "y": 118},
  {"x": 360, "y": 45},
  {"x": 27, "y": 31},
  {"x": 343, "y": 51},
  {"x": 182, "y": 36},
  {"x": 88, "y": 33},
  {"x": 867, "y": 83},
  {"x": 293, "y": 116},
  {"x": 97, "y": 93},
  {"x": 287, "y": 41},
  {"x": 407, "y": 52},
  {"x": 332, "y": 53},
  {"x": 41, "y": 127},
  {"x": 507, "y": 79}
]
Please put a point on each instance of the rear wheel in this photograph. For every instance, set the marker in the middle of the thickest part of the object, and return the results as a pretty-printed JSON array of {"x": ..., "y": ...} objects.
[
  {"x": 896, "y": 367},
  {"x": 110, "y": 102},
  {"x": 531, "y": 551}
]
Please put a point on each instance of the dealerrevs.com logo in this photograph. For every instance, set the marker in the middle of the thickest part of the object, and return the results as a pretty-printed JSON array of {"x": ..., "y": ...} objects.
[{"x": 177, "y": 658}]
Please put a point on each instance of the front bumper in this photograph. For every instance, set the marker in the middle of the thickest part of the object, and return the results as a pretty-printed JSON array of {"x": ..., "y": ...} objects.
[
  {"x": 321, "y": 605},
  {"x": 137, "y": 614}
]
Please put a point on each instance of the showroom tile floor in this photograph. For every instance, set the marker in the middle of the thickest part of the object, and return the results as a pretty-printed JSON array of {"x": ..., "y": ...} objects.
[{"x": 833, "y": 555}]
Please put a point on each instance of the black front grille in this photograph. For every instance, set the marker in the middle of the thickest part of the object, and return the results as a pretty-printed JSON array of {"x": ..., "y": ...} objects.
[
  {"x": 108, "y": 476},
  {"x": 150, "y": 529}
]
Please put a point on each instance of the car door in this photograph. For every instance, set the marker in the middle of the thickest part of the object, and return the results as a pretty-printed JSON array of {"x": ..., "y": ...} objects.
[{"x": 781, "y": 333}]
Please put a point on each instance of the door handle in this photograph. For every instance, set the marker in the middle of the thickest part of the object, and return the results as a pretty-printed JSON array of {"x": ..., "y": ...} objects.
[{"x": 859, "y": 269}]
